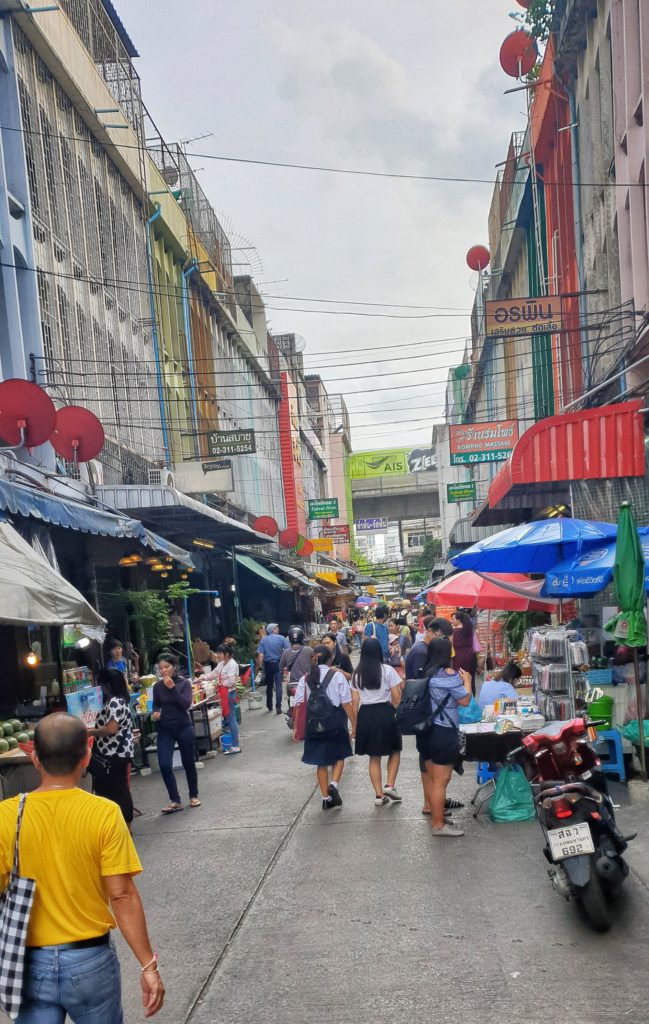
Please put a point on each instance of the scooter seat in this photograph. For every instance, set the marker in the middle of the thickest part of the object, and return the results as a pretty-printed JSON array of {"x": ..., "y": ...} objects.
[{"x": 554, "y": 732}]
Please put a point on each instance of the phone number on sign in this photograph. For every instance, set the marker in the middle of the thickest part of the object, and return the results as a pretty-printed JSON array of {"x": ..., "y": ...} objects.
[
  {"x": 217, "y": 450},
  {"x": 464, "y": 458}
]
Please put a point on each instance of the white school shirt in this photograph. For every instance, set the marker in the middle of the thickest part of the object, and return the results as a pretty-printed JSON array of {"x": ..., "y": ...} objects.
[
  {"x": 338, "y": 690},
  {"x": 389, "y": 678},
  {"x": 227, "y": 673}
]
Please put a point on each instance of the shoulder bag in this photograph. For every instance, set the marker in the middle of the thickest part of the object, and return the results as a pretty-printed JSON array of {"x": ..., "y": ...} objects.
[{"x": 15, "y": 908}]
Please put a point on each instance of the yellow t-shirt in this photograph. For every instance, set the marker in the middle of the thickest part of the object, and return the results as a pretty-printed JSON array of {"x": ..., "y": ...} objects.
[{"x": 69, "y": 841}]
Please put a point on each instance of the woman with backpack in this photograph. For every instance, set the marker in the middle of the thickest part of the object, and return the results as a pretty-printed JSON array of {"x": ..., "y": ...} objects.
[
  {"x": 439, "y": 747},
  {"x": 376, "y": 691},
  {"x": 328, "y": 709}
]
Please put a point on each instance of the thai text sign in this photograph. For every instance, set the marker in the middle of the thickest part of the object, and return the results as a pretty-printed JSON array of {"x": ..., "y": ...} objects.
[
  {"x": 323, "y": 544},
  {"x": 371, "y": 525},
  {"x": 322, "y": 508},
  {"x": 510, "y": 318},
  {"x": 461, "y": 492},
  {"x": 231, "y": 442},
  {"x": 482, "y": 442},
  {"x": 338, "y": 533}
]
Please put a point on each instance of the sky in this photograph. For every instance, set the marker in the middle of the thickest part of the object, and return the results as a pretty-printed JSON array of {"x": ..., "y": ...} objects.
[{"x": 407, "y": 86}]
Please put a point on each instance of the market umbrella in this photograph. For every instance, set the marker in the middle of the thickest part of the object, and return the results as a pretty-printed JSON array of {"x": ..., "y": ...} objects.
[
  {"x": 534, "y": 547},
  {"x": 629, "y": 626},
  {"x": 591, "y": 571},
  {"x": 512, "y": 592},
  {"x": 364, "y": 601}
]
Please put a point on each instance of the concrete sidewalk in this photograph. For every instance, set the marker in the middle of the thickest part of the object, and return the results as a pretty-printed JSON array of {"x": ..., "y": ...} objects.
[{"x": 265, "y": 909}]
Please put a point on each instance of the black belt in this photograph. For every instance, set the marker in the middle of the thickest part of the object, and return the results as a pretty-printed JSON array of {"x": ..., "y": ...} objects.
[{"x": 99, "y": 940}]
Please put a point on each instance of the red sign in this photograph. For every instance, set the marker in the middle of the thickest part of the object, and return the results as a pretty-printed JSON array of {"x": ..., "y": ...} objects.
[
  {"x": 482, "y": 442},
  {"x": 337, "y": 533}
]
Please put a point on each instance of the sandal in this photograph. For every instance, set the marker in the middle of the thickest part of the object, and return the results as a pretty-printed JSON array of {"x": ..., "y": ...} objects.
[
  {"x": 424, "y": 811},
  {"x": 194, "y": 802},
  {"x": 171, "y": 808},
  {"x": 452, "y": 805}
]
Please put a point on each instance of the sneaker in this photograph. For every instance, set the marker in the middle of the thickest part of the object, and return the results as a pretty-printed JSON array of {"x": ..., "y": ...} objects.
[
  {"x": 336, "y": 799},
  {"x": 327, "y": 804},
  {"x": 449, "y": 831},
  {"x": 279, "y": 711},
  {"x": 391, "y": 793},
  {"x": 381, "y": 801}
]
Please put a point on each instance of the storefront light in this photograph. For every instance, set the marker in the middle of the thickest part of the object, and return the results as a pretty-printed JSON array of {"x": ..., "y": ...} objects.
[
  {"x": 32, "y": 659},
  {"x": 199, "y": 543}
]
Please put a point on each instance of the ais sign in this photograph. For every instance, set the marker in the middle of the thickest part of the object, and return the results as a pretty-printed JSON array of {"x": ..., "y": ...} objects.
[
  {"x": 391, "y": 462},
  {"x": 511, "y": 318},
  {"x": 482, "y": 442}
]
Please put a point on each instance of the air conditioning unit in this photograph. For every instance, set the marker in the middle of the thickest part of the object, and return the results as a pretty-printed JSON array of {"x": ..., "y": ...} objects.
[
  {"x": 161, "y": 477},
  {"x": 96, "y": 472}
]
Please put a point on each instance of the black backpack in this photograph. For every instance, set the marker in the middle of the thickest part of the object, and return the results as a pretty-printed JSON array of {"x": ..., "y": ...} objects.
[
  {"x": 415, "y": 714},
  {"x": 321, "y": 718}
]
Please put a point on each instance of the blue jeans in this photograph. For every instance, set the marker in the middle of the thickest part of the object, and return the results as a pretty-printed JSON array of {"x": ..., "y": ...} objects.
[
  {"x": 82, "y": 983},
  {"x": 273, "y": 678},
  {"x": 187, "y": 747},
  {"x": 231, "y": 718}
]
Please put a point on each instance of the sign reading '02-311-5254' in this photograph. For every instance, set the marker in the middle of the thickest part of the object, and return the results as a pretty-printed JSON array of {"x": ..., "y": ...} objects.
[
  {"x": 482, "y": 442},
  {"x": 322, "y": 508},
  {"x": 231, "y": 442}
]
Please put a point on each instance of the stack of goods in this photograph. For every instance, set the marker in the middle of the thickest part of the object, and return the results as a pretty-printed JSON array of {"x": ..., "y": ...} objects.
[
  {"x": 12, "y": 734},
  {"x": 75, "y": 679}
]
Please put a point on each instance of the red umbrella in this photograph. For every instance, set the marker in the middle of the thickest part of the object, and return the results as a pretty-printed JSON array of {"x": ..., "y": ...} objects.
[{"x": 470, "y": 590}]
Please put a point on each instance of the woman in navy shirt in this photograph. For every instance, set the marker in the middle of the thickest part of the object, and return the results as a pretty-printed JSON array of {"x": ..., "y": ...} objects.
[{"x": 172, "y": 699}]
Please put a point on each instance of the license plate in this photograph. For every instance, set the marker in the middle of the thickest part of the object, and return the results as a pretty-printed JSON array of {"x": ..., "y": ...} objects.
[{"x": 571, "y": 841}]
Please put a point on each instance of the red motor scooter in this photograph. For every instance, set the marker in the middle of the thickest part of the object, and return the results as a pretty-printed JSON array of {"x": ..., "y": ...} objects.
[{"x": 583, "y": 843}]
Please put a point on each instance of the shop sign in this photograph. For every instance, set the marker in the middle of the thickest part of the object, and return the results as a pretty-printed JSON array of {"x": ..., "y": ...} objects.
[
  {"x": 461, "y": 492},
  {"x": 231, "y": 442},
  {"x": 421, "y": 460},
  {"x": 511, "y": 318},
  {"x": 337, "y": 533},
  {"x": 391, "y": 462},
  {"x": 371, "y": 525},
  {"x": 322, "y": 508},
  {"x": 322, "y": 544},
  {"x": 207, "y": 476},
  {"x": 482, "y": 442}
]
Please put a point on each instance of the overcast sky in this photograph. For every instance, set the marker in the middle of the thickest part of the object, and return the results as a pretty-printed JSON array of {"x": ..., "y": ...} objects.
[{"x": 411, "y": 86}]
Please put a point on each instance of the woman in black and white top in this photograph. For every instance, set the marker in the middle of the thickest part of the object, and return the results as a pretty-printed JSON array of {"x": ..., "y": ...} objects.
[
  {"x": 110, "y": 764},
  {"x": 376, "y": 690}
]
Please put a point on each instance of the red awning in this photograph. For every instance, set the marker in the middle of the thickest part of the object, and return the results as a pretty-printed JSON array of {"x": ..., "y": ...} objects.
[{"x": 592, "y": 444}]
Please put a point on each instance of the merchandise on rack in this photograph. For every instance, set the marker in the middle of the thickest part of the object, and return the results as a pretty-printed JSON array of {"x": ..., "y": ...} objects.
[{"x": 559, "y": 659}]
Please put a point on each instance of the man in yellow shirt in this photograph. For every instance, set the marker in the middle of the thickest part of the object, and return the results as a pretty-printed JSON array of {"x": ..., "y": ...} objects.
[{"x": 78, "y": 850}]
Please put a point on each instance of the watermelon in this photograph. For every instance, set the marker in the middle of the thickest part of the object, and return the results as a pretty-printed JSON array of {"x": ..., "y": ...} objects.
[
  {"x": 30, "y": 734},
  {"x": 4, "y": 746},
  {"x": 13, "y": 742},
  {"x": 7, "y": 729},
  {"x": 22, "y": 737},
  {"x": 16, "y": 725}
]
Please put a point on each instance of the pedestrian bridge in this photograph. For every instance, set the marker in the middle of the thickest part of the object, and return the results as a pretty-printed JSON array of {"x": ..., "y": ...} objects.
[{"x": 413, "y": 496}]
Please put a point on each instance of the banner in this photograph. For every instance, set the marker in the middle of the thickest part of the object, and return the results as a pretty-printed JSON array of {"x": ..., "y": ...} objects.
[
  {"x": 391, "y": 462},
  {"x": 511, "y": 318},
  {"x": 322, "y": 544},
  {"x": 461, "y": 492},
  {"x": 482, "y": 442}
]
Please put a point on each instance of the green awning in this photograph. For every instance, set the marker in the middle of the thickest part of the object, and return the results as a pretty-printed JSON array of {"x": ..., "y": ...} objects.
[{"x": 262, "y": 571}]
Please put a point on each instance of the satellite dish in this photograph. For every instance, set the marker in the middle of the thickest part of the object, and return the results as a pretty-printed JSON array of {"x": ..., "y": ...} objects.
[
  {"x": 289, "y": 538},
  {"x": 27, "y": 413},
  {"x": 266, "y": 525},
  {"x": 478, "y": 257},
  {"x": 305, "y": 549},
  {"x": 523, "y": 3},
  {"x": 78, "y": 435},
  {"x": 299, "y": 344},
  {"x": 518, "y": 54}
]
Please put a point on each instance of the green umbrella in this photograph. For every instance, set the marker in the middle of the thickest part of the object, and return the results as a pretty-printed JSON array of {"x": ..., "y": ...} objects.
[{"x": 629, "y": 626}]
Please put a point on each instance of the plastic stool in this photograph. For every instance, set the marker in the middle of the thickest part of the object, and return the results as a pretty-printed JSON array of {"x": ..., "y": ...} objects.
[
  {"x": 486, "y": 771},
  {"x": 609, "y": 749}
]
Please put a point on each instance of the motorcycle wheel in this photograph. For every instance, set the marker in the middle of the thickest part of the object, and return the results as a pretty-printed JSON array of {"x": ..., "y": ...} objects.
[{"x": 593, "y": 901}]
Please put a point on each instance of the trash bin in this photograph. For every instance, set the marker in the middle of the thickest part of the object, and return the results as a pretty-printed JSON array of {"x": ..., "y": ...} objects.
[{"x": 602, "y": 709}]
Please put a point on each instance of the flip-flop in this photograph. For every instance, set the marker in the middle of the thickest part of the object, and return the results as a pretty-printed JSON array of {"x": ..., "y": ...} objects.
[
  {"x": 453, "y": 805},
  {"x": 172, "y": 809},
  {"x": 194, "y": 802},
  {"x": 426, "y": 813}
]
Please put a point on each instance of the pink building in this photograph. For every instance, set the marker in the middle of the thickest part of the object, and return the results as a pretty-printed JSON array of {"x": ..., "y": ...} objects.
[{"x": 630, "y": 50}]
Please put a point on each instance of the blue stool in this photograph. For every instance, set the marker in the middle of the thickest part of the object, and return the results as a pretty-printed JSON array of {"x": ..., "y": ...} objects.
[
  {"x": 485, "y": 772},
  {"x": 609, "y": 748}
]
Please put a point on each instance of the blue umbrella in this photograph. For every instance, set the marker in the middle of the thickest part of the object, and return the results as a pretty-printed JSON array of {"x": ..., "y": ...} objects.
[
  {"x": 534, "y": 547},
  {"x": 591, "y": 571}
]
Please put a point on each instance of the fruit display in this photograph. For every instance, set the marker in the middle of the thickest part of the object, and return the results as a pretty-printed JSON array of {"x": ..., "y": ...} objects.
[{"x": 13, "y": 734}]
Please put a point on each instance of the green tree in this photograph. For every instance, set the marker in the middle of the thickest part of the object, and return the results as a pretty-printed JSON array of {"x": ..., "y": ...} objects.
[
  {"x": 539, "y": 17},
  {"x": 422, "y": 565}
]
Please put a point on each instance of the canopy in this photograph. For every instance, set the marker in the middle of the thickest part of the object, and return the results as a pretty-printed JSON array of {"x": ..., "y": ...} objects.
[
  {"x": 534, "y": 547},
  {"x": 591, "y": 571},
  {"x": 261, "y": 571},
  {"x": 511, "y": 592},
  {"x": 31, "y": 591}
]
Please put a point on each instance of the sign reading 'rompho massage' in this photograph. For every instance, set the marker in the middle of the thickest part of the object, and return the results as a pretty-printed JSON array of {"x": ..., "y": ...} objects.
[
  {"x": 482, "y": 442},
  {"x": 513, "y": 318}
]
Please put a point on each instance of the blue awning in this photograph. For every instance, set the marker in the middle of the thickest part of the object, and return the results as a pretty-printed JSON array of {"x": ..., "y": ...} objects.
[{"x": 75, "y": 515}]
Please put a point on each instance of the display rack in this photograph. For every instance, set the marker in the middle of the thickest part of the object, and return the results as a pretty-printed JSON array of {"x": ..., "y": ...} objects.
[{"x": 558, "y": 656}]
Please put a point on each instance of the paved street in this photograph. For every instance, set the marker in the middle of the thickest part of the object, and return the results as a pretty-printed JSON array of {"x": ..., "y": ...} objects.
[{"x": 264, "y": 909}]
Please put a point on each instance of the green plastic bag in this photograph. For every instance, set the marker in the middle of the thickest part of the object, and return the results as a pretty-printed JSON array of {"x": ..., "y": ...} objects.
[
  {"x": 512, "y": 799},
  {"x": 632, "y": 733}
]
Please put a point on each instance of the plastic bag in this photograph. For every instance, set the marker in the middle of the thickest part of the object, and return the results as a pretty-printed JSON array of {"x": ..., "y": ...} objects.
[
  {"x": 632, "y": 733},
  {"x": 512, "y": 799},
  {"x": 631, "y": 712},
  {"x": 470, "y": 713}
]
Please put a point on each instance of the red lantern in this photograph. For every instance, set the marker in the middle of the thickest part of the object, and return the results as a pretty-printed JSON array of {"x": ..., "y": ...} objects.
[
  {"x": 266, "y": 525},
  {"x": 289, "y": 538},
  {"x": 478, "y": 257},
  {"x": 518, "y": 54}
]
